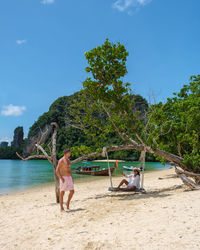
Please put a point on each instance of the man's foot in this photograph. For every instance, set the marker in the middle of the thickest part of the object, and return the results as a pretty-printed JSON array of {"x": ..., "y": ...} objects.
[
  {"x": 67, "y": 206},
  {"x": 62, "y": 210}
]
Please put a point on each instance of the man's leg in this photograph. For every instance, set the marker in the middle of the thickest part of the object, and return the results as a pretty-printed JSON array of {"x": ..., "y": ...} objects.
[
  {"x": 71, "y": 193},
  {"x": 122, "y": 182},
  {"x": 61, "y": 200}
]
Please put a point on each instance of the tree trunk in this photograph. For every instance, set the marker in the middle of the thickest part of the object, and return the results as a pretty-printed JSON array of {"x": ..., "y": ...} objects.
[
  {"x": 57, "y": 186},
  {"x": 142, "y": 156},
  {"x": 55, "y": 161}
]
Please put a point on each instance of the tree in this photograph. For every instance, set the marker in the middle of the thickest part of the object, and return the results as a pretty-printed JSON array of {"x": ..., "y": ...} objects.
[
  {"x": 174, "y": 125},
  {"x": 107, "y": 105},
  {"x": 52, "y": 158}
]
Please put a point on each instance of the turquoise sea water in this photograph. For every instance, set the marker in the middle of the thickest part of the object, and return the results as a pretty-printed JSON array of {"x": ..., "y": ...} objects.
[{"x": 16, "y": 175}]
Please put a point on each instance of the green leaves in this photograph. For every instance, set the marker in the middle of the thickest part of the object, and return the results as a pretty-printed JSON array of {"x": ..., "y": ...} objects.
[
  {"x": 106, "y": 106},
  {"x": 77, "y": 151},
  {"x": 175, "y": 124},
  {"x": 107, "y": 64}
]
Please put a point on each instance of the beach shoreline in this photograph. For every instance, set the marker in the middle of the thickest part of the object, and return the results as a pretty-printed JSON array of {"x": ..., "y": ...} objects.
[
  {"x": 37, "y": 173},
  {"x": 167, "y": 217},
  {"x": 88, "y": 179},
  {"x": 110, "y": 160}
]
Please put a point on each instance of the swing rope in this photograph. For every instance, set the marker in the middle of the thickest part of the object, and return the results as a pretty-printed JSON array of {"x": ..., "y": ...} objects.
[
  {"x": 142, "y": 160},
  {"x": 105, "y": 153},
  {"x": 143, "y": 165}
]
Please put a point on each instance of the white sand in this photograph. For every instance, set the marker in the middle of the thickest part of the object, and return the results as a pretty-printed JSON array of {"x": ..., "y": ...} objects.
[
  {"x": 167, "y": 217},
  {"x": 110, "y": 160}
]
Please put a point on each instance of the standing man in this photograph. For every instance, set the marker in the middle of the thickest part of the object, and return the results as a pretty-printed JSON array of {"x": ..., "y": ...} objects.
[{"x": 63, "y": 171}]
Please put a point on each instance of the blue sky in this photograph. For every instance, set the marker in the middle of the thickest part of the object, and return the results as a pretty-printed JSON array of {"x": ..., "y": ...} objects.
[{"x": 43, "y": 43}]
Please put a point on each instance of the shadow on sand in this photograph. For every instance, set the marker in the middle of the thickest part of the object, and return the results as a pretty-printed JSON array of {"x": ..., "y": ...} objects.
[
  {"x": 162, "y": 193},
  {"x": 75, "y": 210},
  {"x": 68, "y": 211}
]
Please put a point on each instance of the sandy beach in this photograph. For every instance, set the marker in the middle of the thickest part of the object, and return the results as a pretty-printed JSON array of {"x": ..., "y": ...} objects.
[{"x": 167, "y": 217}]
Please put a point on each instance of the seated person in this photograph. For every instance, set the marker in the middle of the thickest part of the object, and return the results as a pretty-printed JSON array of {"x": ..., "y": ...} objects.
[{"x": 133, "y": 183}]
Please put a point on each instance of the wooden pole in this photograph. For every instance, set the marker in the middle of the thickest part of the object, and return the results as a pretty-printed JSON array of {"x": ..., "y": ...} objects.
[
  {"x": 110, "y": 175},
  {"x": 143, "y": 164}
]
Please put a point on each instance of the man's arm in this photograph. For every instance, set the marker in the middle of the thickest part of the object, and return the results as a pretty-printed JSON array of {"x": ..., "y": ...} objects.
[{"x": 58, "y": 172}]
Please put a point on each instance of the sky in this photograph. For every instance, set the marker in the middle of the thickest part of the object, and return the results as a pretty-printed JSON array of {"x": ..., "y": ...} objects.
[{"x": 42, "y": 45}]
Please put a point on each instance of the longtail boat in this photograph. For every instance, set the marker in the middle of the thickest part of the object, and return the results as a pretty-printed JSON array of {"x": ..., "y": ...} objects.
[{"x": 95, "y": 170}]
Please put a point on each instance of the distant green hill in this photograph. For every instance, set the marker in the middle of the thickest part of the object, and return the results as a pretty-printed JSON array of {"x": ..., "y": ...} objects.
[{"x": 71, "y": 137}]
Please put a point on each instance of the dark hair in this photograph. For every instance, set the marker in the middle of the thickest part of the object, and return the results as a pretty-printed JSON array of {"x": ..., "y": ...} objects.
[
  {"x": 138, "y": 171},
  {"x": 66, "y": 150}
]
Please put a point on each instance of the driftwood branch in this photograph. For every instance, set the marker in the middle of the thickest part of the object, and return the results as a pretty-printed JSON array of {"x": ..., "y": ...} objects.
[
  {"x": 31, "y": 157},
  {"x": 190, "y": 174},
  {"x": 187, "y": 181}
]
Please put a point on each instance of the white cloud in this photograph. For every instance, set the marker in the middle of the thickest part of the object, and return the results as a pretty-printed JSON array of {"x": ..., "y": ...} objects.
[
  {"x": 20, "y": 42},
  {"x": 125, "y": 5},
  {"x": 12, "y": 110},
  {"x": 47, "y": 1}
]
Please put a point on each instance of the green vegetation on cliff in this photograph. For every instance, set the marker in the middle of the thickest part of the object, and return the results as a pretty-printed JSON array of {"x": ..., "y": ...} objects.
[
  {"x": 57, "y": 113},
  {"x": 72, "y": 137}
]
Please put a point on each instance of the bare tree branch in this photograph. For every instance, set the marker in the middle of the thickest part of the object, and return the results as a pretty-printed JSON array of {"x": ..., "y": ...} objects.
[
  {"x": 179, "y": 149},
  {"x": 52, "y": 159},
  {"x": 113, "y": 123},
  {"x": 140, "y": 139},
  {"x": 170, "y": 157},
  {"x": 130, "y": 139},
  {"x": 76, "y": 126},
  {"x": 42, "y": 134},
  {"x": 31, "y": 157},
  {"x": 41, "y": 149},
  {"x": 49, "y": 147}
]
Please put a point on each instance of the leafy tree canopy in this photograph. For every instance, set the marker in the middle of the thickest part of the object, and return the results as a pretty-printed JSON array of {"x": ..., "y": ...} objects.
[
  {"x": 174, "y": 125},
  {"x": 73, "y": 137},
  {"x": 106, "y": 105}
]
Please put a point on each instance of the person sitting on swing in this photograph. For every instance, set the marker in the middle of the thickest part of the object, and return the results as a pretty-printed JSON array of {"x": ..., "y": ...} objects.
[{"x": 133, "y": 183}]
